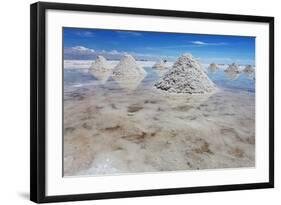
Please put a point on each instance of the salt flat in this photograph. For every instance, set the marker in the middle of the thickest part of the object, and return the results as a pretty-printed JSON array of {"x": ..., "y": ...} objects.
[{"x": 109, "y": 129}]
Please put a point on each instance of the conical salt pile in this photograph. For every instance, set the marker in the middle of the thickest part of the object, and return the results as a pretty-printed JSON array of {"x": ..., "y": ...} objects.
[
  {"x": 248, "y": 69},
  {"x": 232, "y": 68},
  {"x": 127, "y": 73},
  {"x": 127, "y": 67},
  {"x": 186, "y": 76},
  {"x": 100, "y": 69}
]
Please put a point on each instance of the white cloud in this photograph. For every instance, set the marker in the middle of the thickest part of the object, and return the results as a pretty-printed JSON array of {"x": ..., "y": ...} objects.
[
  {"x": 114, "y": 52},
  {"x": 84, "y": 53},
  {"x": 198, "y": 42},
  {"x": 202, "y": 43},
  {"x": 84, "y": 33},
  {"x": 132, "y": 33},
  {"x": 82, "y": 49}
]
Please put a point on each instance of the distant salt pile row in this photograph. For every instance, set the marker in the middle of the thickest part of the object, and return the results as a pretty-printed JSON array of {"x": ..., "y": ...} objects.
[
  {"x": 101, "y": 69},
  {"x": 186, "y": 76},
  {"x": 126, "y": 73}
]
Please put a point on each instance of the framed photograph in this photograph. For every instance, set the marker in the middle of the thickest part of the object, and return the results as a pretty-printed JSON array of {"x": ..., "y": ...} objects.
[{"x": 129, "y": 102}]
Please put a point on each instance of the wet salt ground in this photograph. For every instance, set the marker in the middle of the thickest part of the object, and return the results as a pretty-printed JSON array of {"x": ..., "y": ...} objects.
[{"x": 111, "y": 130}]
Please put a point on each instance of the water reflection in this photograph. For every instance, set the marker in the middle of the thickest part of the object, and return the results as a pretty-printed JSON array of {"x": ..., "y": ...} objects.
[
  {"x": 129, "y": 83},
  {"x": 213, "y": 68},
  {"x": 101, "y": 75},
  {"x": 232, "y": 75},
  {"x": 74, "y": 78},
  {"x": 250, "y": 76}
]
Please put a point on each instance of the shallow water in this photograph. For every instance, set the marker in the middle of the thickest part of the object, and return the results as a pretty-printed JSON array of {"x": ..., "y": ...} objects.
[{"x": 113, "y": 128}]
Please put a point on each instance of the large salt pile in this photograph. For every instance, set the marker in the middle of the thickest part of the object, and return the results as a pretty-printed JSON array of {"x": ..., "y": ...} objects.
[
  {"x": 213, "y": 67},
  {"x": 249, "y": 69},
  {"x": 127, "y": 73},
  {"x": 100, "y": 69},
  {"x": 186, "y": 76}
]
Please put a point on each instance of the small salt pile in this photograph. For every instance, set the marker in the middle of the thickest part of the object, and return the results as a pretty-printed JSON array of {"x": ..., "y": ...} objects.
[
  {"x": 234, "y": 67},
  {"x": 186, "y": 76},
  {"x": 249, "y": 69},
  {"x": 127, "y": 67},
  {"x": 232, "y": 71},
  {"x": 127, "y": 73},
  {"x": 100, "y": 69}
]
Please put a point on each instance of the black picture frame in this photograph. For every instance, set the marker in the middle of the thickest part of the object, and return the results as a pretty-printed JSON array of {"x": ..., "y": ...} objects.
[{"x": 38, "y": 101}]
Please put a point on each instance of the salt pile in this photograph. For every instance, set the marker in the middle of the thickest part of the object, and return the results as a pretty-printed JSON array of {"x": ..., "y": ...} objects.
[
  {"x": 127, "y": 67},
  {"x": 100, "y": 69},
  {"x": 127, "y": 73},
  {"x": 232, "y": 68},
  {"x": 213, "y": 67},
  {"x": 232, "y": 71},
  {"x": 249, "y": 69},
  {"x": 186, "y": 76}
]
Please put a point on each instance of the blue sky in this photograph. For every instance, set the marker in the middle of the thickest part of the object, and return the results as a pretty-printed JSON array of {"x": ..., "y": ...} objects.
[{"x": 87, "y": 43}]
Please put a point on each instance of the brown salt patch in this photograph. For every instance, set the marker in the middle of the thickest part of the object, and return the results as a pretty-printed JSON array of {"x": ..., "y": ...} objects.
[
  {"x": 183, "y": 108},
  {"x": 117, "y": 147},
  {"x": 237, "y": 152},
  {"x": 117, "y": 127},
  {"x": 204, "y": 148},
  {"x": 134, "y": 108},
  {"x": 231, "y": 131},
  {"x": 150, "y": 101},
  {"x": 155, "y": 118},
  {"x": 160, "y": 109},
  {"x": 251, "y": 140},
  {"x": 86, "y": 126},
  {"x": 68, "y": 130},
  {"x": 77, "y": 96},
  {"x": 113, "y": 106},
  {"x": 136, "y": 138},
  {"x": 153, "y": 134}
]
